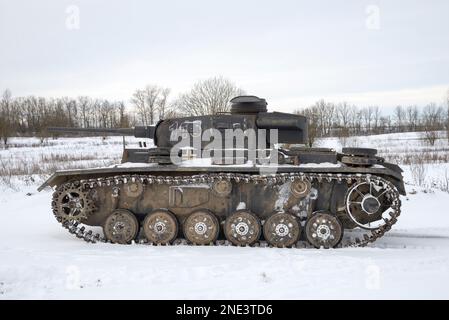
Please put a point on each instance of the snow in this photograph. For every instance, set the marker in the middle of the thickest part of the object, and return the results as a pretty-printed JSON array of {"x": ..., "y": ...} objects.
[
  {"x": 207, "y": 162},
  {"x": 284, "y": 192},
  {"x": 321, "y": 165},
  {"x": 132, "y": 165},
  {"x": 241, "y": 206},
  {"x": 40, "y": 260}
]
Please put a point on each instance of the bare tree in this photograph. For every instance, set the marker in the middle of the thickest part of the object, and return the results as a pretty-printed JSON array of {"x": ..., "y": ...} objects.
[
  {"x": 174, "y": 110},
  {"x": 368, "y": 117},
  {"x": 6, "y": 128},
  {"x": 150, "y": 103},
  {"x": 399, "y": 115},
  {"x": 124, "y": 121},
  {"x": 210, "y": 96},
  {"x": 431, "y": 121},
  {"x": 344, "y": 113},
  {"x": 353, "y": 119},
  {"x": 325, "y": 112},
  {"x": 358, "y": 117},
  {"x": 163, "y": 102},
  {"x": 139, "y": 102},
  {"x": 385, "y": 123},
  {"x": 376, "y": 118},
  {"x": 312, "y": 114},
  {"x": 96, "y": 111},
  {"x": 412, "y": 116},
  {"x": 85, "y": 104},
  {"x": 151, "y": 98},
  {"x": 447, "y": 115}
]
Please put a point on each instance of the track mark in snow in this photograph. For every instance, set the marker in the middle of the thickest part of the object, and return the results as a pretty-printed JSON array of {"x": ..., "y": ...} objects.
[{"x": 416, "y": 236}]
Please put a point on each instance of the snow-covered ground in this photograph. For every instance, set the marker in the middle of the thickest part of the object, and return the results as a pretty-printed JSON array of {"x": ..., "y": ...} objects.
[{"x": 38, "y": 259}]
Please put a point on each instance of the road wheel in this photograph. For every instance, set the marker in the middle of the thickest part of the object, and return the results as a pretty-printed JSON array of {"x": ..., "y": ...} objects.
[
  {"x": 121, "y": 227},
  {"x": 324, "y": 230},
  {"x": 160, "y": 227},
  {"x": 201, "y": 227},
  {"x": 281, "y": 230},
  {"x": 242, "y": 228}
]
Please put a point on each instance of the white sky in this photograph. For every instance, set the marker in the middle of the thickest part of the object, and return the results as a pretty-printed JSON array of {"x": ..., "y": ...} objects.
[{"x": 289, "y": 52}]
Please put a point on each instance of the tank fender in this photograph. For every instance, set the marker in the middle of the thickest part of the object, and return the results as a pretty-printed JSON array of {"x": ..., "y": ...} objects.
[
  {"x": 393, "y": 167},
  {"x": 52, "y": 181},
  {"x": 399, "y": 184}
]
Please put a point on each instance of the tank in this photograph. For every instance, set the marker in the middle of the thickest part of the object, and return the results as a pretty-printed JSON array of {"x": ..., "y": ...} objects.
[{"x": 242, "y": 178}]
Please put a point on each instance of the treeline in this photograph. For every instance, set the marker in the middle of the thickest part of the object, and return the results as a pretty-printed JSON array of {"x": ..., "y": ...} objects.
[
  {"x": 344, "y": 120},
  {"x": 30, "y": 116}
]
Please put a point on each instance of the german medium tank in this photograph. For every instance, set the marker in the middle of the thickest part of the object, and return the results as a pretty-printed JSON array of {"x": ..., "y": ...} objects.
[{"x": 203, "y": 186}]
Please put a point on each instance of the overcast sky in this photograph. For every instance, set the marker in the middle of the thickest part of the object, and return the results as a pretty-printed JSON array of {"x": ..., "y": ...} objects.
[{"x": 289, "y": 52}]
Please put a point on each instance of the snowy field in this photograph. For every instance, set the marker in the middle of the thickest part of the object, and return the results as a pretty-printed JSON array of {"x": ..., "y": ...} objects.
[{"x": 38, "y": 259}]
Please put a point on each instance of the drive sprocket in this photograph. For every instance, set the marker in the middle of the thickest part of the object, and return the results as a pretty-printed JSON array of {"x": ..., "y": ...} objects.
[{"x": 72, "y": 204}]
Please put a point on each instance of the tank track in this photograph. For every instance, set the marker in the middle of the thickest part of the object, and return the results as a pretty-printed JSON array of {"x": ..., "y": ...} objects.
[{"x": 352, "y": 238}]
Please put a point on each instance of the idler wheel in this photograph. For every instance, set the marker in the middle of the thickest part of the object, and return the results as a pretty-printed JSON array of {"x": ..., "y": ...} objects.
[
  {"x": 324, "y": 230},
  {"x": 368, "y": 203},
  {"x": 242, "y": 228},
  {"x": 201, "y": 227},
  {"x": 300, "y": 188},
  {"x": 281, "y": 230},
  {"x": 160, "y": 227},
  {"x": 121, "y": 226}
]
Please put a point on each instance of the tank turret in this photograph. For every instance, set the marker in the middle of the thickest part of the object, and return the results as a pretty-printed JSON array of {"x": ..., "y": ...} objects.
[{"x": 248, "y": 114}]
